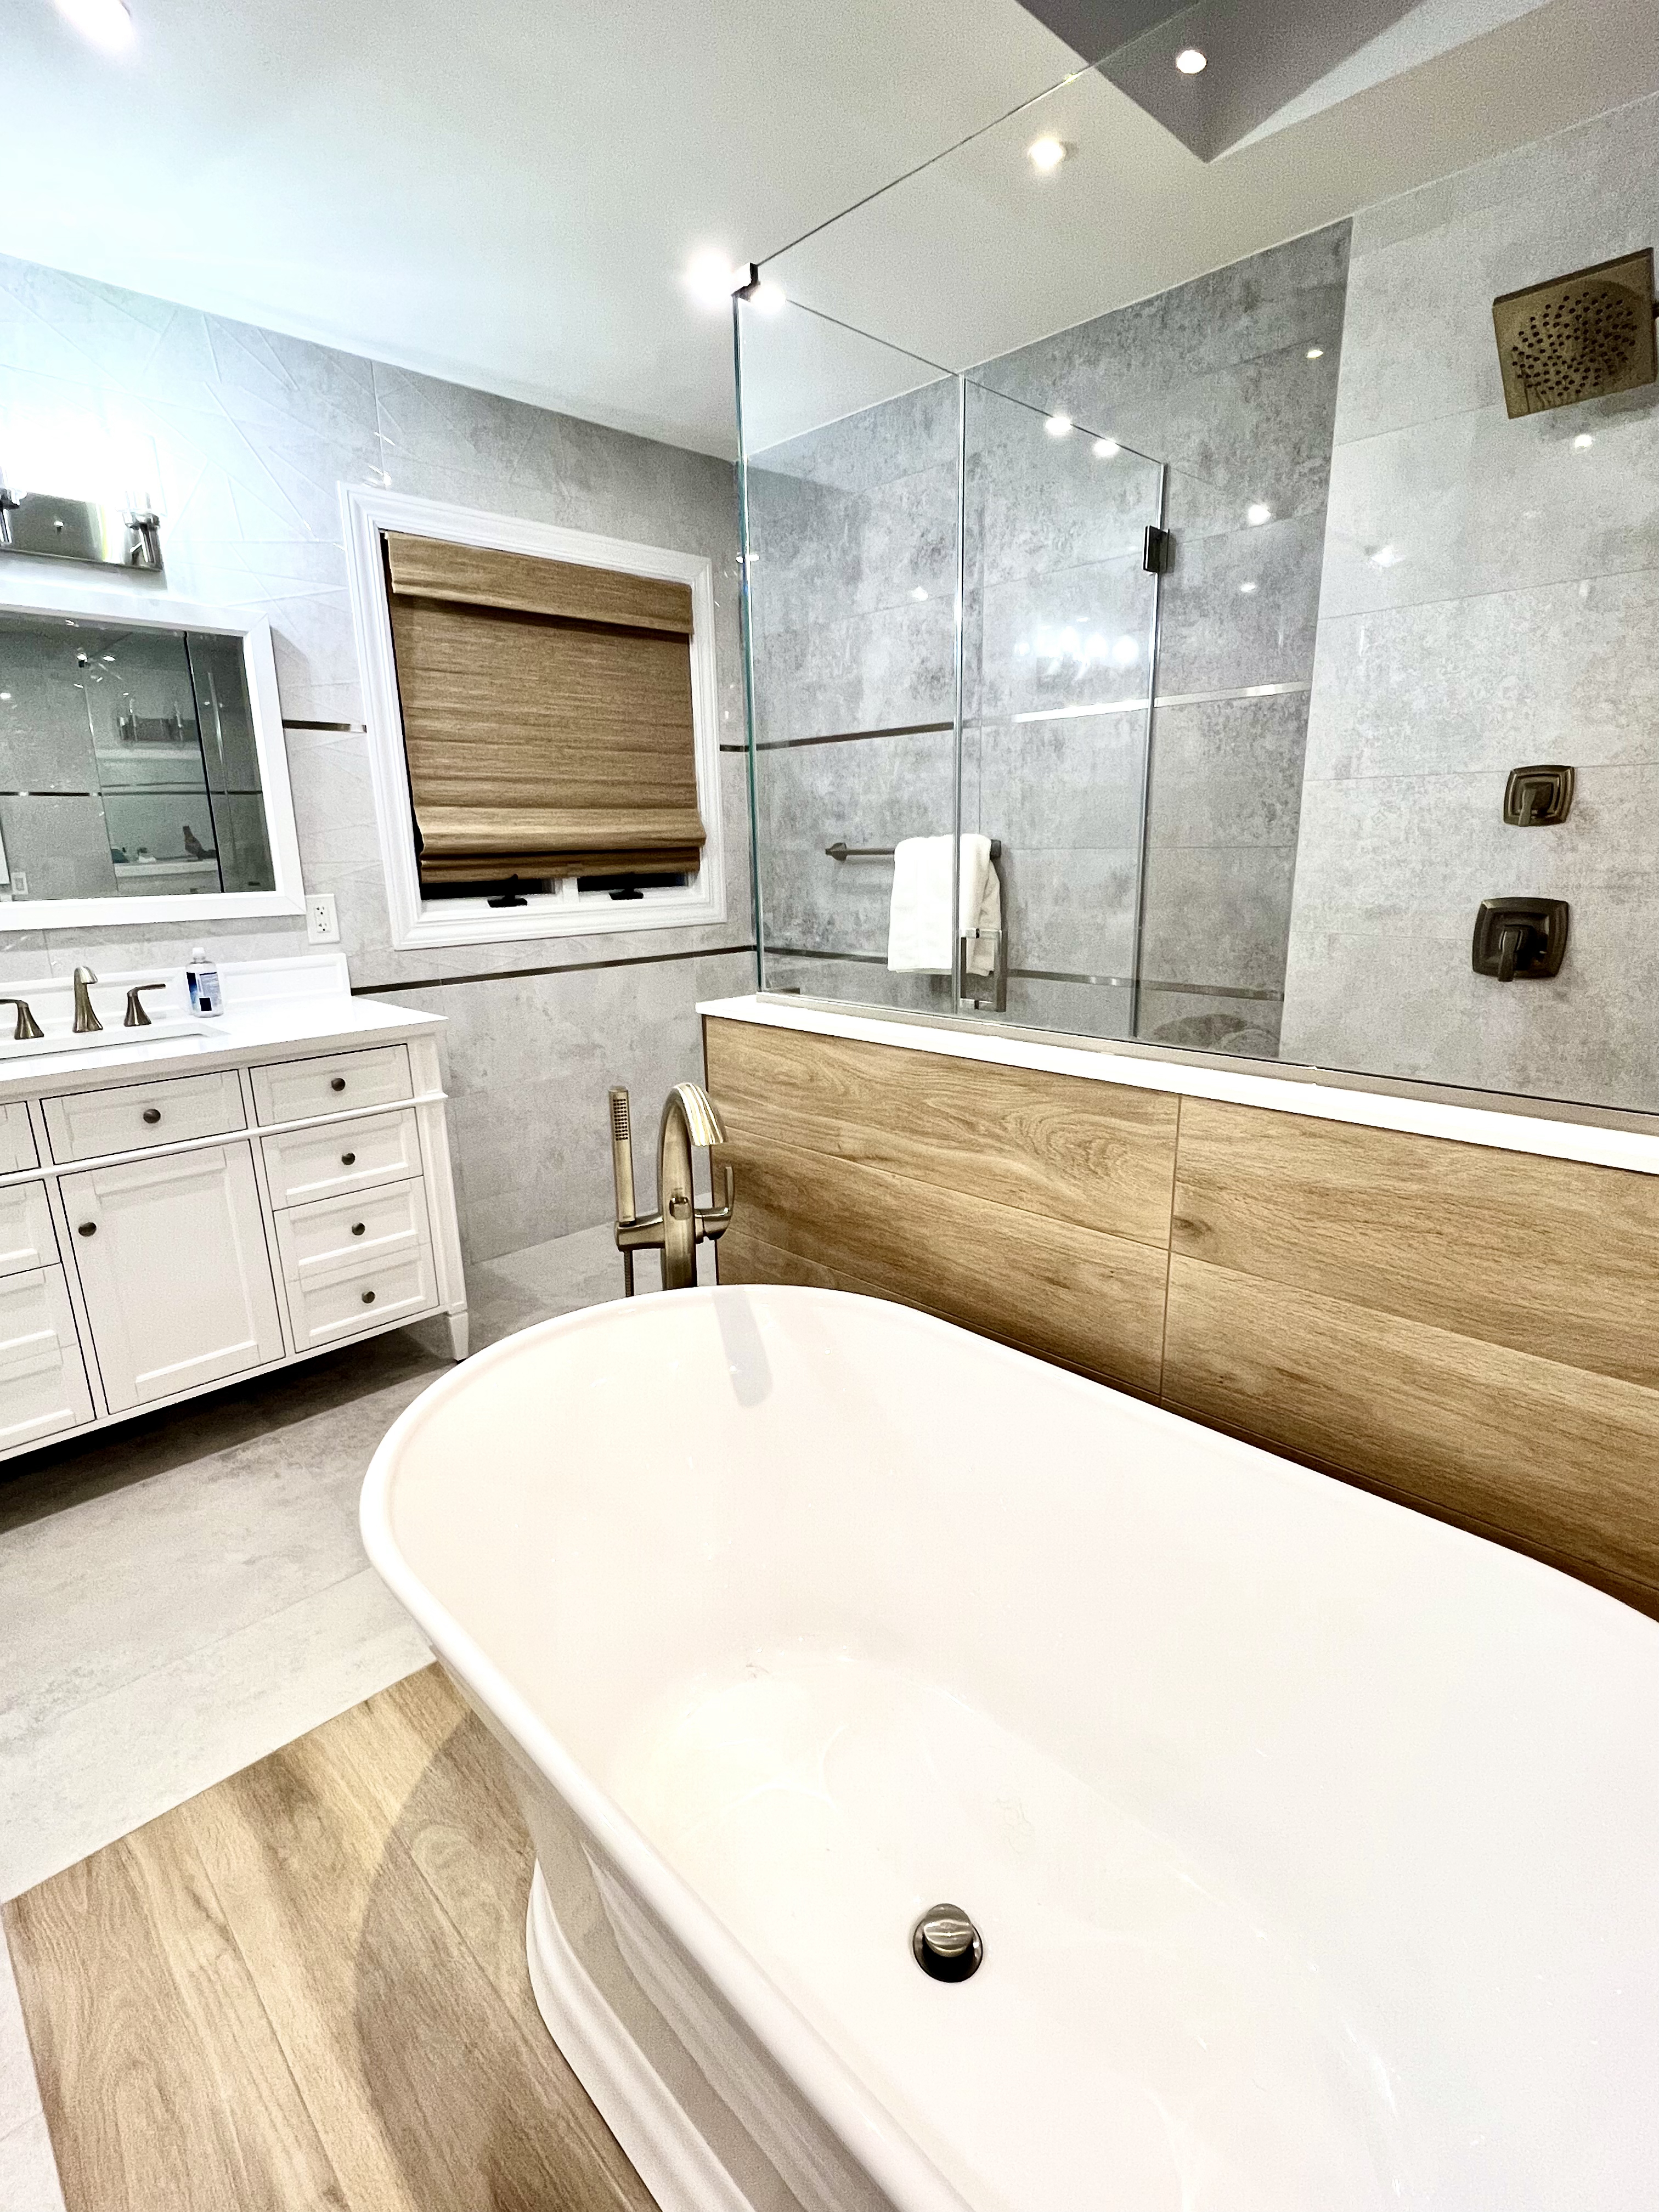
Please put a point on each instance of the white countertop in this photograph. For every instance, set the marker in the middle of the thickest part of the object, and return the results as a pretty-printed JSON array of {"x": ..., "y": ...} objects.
[
  {"x": 271, "y": 1008},
  {"x": 1518, "y": 1131}
]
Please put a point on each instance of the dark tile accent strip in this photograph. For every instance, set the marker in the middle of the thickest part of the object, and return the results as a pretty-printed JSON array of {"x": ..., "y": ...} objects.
[
  {"x": 555, "y": 968},
  {"x": 288, "y": 725},
  {"x": 853, "y": 736}
]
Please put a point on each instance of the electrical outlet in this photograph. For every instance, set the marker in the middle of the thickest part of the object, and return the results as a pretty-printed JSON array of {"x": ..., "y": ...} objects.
[{"x": 322, "y": 923}]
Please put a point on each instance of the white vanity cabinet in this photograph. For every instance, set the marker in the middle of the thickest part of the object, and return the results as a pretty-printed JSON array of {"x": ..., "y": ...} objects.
[{"x": 166, "y": 1225}]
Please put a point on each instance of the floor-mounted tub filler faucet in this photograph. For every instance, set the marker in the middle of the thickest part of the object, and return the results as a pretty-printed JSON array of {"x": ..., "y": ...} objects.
[{"x": 679, "y": 1225}]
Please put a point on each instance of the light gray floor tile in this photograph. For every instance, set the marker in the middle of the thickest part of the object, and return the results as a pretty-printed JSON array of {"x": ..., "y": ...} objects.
[
  {"x": 28, "y": 2172},
  {"x": 105, "y": 1768},
  {"x": 19, "y": 2097},
  {"x": 184, "y": 1592}
]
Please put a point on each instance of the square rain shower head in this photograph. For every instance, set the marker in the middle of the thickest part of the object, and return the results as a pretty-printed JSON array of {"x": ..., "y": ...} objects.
[{"x": 1579, "y": 337}]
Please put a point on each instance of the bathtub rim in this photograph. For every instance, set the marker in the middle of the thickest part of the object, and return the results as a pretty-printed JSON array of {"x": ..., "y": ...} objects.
[{"x": 872, "y": 2136}]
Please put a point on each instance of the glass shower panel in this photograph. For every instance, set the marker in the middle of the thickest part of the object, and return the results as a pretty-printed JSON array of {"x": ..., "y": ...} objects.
[
  {"x": 1060, "y": 626},
  {"x": 852, "y": 502}
]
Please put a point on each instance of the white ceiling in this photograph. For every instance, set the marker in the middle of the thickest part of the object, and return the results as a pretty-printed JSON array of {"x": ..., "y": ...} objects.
[{"x": 508, "y": 193}]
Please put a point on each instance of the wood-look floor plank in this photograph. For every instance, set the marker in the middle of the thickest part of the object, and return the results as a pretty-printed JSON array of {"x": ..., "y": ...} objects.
[
  {"x": 1092, "y": 1301},
  {"x": 426, "y": 2091},
  {"x": 307, "y": 1988},
  {"x": 1566, "y": 1461},
  {"x": 1098, "y": 1155},
  {"x": 165, "y": 2088},
  {"x": 1552, "y": 1257}
]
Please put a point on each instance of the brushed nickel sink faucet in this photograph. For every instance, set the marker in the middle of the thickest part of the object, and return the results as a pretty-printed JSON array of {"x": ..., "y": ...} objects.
[
  {"x": 679, "y": 1225},
  {"x": 85, "y": 1018}
]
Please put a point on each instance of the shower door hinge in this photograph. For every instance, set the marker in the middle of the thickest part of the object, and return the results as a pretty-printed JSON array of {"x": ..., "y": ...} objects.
[{"x": 1158, "y": 552}]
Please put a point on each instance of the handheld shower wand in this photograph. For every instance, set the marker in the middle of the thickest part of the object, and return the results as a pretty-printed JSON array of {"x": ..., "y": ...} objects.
[{"x": 621, "y": 1169}]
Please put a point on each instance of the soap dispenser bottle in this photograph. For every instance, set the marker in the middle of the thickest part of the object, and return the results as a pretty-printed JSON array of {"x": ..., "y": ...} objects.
[{"x": 203, "y": 980}]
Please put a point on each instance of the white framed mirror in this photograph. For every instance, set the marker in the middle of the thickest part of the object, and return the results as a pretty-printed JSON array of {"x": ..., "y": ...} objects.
[{"x": 143, "y": 776}]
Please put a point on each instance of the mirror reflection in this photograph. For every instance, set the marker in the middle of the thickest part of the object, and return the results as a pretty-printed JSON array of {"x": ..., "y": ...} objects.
[{"x": 128, "y": 763}]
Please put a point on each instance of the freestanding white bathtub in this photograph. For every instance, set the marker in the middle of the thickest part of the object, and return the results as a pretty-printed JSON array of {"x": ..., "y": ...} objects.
[{"x": 1315, "y": 1846}]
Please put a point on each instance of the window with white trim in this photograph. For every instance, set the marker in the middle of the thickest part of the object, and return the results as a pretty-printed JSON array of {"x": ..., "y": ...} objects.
[{"x": 542, "y": 719}]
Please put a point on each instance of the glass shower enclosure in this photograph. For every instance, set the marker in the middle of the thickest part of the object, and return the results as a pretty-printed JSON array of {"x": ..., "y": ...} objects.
[
  {"x": 952, "y": 601},
  {"x": 1023, "y": 562}
]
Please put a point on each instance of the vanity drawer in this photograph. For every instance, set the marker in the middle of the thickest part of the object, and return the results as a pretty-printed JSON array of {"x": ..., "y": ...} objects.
[
  {"x": 346, "y": 1235},
  {"x": 27, "y": 1237},
  {"x": 312, "y": 1164},
  {"x": 43, "y": 1380},
  {"x": 300, "y": 1090},
  {"x": 16, "y": 1141},
  {"x": 88, "y": 1124},
  {"x": 329, "y": 1307}
]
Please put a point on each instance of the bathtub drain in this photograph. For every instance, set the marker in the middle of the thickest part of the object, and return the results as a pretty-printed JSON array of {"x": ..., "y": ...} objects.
[{"x": 946, "y": 1943}]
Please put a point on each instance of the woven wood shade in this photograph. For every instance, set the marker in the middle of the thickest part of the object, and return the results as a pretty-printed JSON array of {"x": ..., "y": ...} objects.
[{"x": 547, "y": 715}]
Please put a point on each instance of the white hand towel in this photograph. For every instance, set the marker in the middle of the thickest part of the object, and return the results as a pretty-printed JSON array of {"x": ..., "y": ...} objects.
[{"x": 919, "y": 924}]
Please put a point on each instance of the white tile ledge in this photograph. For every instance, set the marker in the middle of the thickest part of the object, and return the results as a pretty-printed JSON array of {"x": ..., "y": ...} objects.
[{"x": 1635, "y": 1149}]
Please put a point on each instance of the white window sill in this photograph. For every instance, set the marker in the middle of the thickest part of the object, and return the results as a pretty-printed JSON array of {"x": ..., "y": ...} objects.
[{"x": 469, "y": 922}]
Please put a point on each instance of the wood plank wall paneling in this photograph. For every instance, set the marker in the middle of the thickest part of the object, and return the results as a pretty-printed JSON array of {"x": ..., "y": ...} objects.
[
  {"x": 980, "y": 1194},
  {"x": 1488, "y": 1244},
  {"x": 1473, "y": 1332}
]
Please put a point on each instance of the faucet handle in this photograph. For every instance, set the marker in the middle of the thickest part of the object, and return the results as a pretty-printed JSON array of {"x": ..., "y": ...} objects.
[
  {"x": 137, "y": 1018},
  {"x": 26, "y": 1028},
  {"x": 714, "y": 1221}
]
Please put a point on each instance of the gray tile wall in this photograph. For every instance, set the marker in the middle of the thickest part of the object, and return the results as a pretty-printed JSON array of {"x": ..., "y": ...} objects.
[
  {"x": 1491, "y": 598},
  {"x": 856, "y": 530},
  {"x": 253, "y": 433}
]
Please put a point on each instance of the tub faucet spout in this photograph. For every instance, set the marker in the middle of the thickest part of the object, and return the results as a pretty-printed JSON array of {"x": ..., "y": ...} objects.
[{"x": 679, "y": 1225}]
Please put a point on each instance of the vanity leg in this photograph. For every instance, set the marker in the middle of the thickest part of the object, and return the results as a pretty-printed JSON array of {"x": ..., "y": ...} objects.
[{"x": 458, "y": 1333}]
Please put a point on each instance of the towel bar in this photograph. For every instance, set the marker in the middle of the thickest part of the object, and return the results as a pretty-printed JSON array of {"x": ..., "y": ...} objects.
[{"x": 839, "y": 851}]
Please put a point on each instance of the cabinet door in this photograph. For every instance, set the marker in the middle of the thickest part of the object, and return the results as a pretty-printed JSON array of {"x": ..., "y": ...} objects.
[
  {"x": 25, "y": 1235},
  {"x": 171, "y": 1258},
  {"x": 43, "y": 1384},
  {"x": 16, "y": 1140}
]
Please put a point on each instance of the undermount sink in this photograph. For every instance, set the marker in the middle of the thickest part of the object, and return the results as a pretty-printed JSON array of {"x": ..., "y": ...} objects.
[{"x": 181, "y": 1029}]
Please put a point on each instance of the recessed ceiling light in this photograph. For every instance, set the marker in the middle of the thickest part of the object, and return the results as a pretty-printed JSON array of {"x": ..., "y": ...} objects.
[
  {"x": 1058, "y": 426},
  {"x": 1247, "y": 589},
  {"x": 1191, "y": 62},
  {"x": 1388, "y": 556},
  {"x": 107, "y": 23},
  {"x": 1045, "y": 154},
  {"x": 1584, "y": 441},
  {"x": 709, "y": 277},
  {"x": 920, "y": 592},
  {"x": 1316, "y": 353},
  {"x": 1107, "y": 449},
  {"x": 1257, "y": 514}
]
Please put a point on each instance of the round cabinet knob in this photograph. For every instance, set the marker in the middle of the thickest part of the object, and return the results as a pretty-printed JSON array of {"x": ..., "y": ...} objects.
[
  {"x": 88, "y": 1228},
  {"x": 348, "y": 1159},
  {"x": 152, "y": 1114},
  {"x": 357, "y": 1228},
  {"x": 368, "y": 1298},
  {"x": 337, "y": 1083}
]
